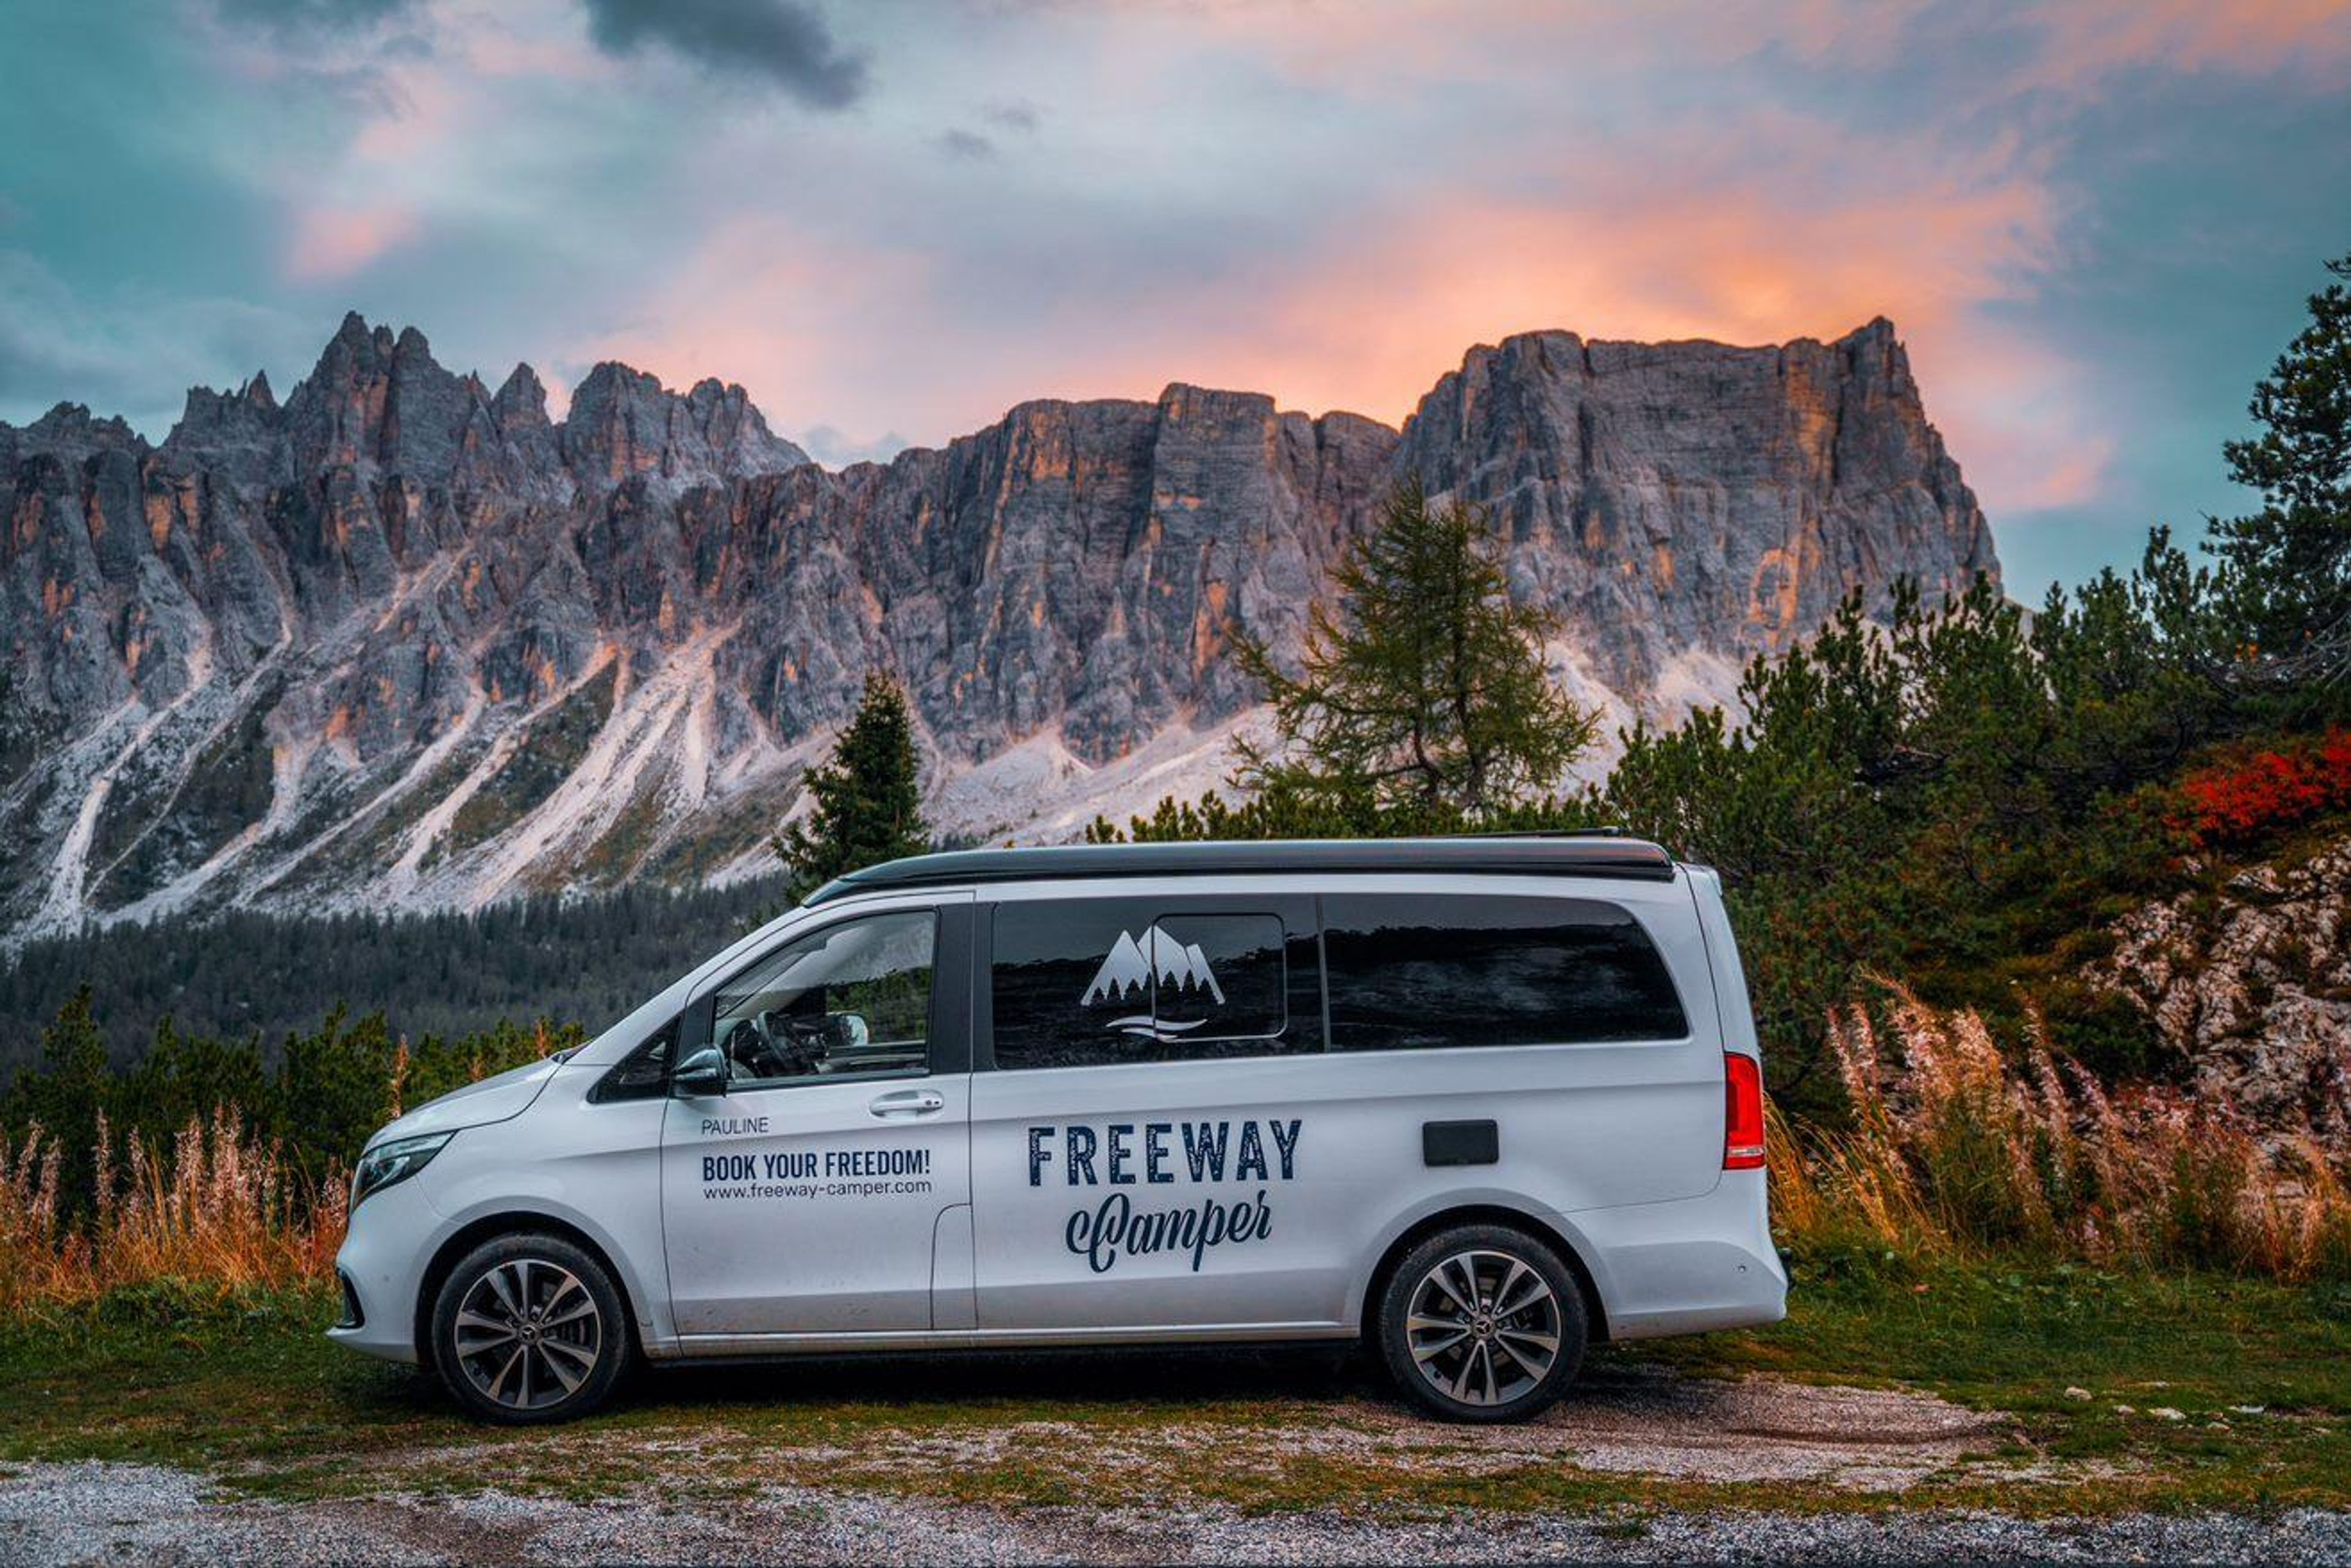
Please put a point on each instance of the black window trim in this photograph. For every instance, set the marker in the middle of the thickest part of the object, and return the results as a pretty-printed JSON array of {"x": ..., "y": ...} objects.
[
  {"x": 1323, "y": 974},
  {"x": 606, "y": 1090}
]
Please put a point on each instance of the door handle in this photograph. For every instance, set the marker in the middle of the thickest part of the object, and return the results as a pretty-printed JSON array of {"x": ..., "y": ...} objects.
[{"x": 909, "y": 1103}]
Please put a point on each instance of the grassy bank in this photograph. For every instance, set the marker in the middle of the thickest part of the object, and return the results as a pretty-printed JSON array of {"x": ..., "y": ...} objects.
[{"x": 2129, "y": 1390}]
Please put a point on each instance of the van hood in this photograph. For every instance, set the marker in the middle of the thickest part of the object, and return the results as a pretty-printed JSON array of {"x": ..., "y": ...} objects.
[{"x": 495, "y": 1099}]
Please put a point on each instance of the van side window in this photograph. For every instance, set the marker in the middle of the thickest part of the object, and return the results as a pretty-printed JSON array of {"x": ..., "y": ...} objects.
[
  {"x": 1100, "y": 981},
  {"x": 850, "y": 1000},
  {"x": 1415, "y": 973}
]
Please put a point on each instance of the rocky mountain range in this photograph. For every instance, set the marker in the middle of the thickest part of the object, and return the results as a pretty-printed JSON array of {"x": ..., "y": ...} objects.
[{"x": 401, "y": 640}]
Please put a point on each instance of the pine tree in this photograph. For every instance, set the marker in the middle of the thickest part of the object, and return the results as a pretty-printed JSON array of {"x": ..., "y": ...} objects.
[
  {"x": 74, "y": 1088},
  {"x": 2290, "y": 563},
  {"x": 1426, "y": 691},
  {"x": 867, "y": 802}
]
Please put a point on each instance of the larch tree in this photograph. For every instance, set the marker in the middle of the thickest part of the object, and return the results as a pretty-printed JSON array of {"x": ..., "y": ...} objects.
[{"x": 1425, "y": 689}]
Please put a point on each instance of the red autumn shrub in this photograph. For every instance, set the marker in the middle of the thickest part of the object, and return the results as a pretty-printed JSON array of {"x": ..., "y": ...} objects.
[{"x": 2244, "y": 799}]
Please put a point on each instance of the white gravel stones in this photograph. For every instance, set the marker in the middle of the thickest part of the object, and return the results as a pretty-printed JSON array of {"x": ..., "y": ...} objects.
[{"x": 55, "y": 1515}]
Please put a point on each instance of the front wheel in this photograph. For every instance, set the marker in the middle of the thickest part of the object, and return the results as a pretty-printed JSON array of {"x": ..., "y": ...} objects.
[
  {"x": 1483, "y": 1323},
  {"x": 529, "y": 1329}
]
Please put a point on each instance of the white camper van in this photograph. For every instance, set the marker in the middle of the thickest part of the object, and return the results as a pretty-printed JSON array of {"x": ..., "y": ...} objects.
[{"x": 1479, "y": 1101}]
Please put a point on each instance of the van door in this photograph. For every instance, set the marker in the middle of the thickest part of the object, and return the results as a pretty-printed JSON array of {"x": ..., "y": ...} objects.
[
  {"x": 1146, "y": 1144},
  {"x": 803, "y": 1199}
]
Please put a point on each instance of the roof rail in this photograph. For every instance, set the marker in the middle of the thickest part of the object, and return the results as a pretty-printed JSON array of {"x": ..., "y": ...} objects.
[
  {"x": 1506, "y": 854},
  {"x": 1607, "y": 831}
]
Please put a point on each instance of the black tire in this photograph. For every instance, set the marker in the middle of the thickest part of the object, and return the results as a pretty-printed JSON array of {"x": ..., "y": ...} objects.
[
  {"x": 546, "y": 1334},
  {"x": 1493, "y": 1369}
]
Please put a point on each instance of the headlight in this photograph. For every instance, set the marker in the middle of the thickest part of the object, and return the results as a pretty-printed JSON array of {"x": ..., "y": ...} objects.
[{"x": 387, "y": 1164}]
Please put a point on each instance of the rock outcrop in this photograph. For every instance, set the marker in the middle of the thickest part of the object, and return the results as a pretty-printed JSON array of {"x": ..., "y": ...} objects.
[
  {"x": 2254, "y": 990},
  {"x": 398, "y": 639}
]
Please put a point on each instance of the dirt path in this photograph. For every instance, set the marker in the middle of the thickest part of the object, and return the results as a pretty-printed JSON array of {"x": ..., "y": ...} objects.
[{"x": 1621, "y": 1420}]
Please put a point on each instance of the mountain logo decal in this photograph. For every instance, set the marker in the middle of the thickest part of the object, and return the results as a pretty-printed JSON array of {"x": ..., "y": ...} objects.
[{"x": 1135, "y": 964}]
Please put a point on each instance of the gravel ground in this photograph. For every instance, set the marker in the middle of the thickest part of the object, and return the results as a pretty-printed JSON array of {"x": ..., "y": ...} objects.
[
  {"x": 61, "y": 1514},
  {"x": 1778, "y": 1437}
]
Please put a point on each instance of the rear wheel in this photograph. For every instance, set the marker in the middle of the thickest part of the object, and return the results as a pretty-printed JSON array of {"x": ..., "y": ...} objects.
[
  {"x": 529, "y": 1329},
  {"x": 1482, "y": 1323}
]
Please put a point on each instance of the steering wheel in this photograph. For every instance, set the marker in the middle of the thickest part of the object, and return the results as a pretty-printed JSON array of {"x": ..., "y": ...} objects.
[
  {"x": 773, "y": 1043},
  {"x": 752, "y": 1051},
  {"x": 798, "y": 1046}
]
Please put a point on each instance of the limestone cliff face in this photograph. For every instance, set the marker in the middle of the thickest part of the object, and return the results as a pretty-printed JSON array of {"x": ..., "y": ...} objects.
[
  {"x": 1682, "y": 496},
  {"x": 401, "y": 639}
]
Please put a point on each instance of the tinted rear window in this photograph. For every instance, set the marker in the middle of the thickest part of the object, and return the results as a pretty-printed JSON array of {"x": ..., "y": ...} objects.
[{"x": 1413, "y": 973}]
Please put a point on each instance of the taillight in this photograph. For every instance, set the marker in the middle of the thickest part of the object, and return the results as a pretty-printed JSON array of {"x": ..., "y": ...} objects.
[{"x": 1742, "y": 1120}]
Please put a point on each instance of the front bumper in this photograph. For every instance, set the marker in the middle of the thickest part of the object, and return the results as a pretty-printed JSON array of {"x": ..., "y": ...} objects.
[{"x": 391, "y": 1237}]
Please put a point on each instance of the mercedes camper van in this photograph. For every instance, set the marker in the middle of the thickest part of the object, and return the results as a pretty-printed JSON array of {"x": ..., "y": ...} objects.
[{"x": 1479, "y": 1101}]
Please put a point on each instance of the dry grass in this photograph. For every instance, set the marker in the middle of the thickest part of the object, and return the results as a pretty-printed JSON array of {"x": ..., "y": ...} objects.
[
  {"x": 217, "y": 1209},
  {"x": 1958, "y": 1144}
]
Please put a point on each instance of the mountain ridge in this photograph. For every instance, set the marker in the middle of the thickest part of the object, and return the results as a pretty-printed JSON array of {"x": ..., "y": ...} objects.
[{"x": 400, "y": 641}]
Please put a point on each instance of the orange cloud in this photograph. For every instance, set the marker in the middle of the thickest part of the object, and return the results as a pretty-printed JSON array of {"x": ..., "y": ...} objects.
[
  {"x": 335, "y": 242},
  {"x": 1746, "y": 268},
  {"x": 798, "y": 320},
  {"x": 1368, "y": 319}
]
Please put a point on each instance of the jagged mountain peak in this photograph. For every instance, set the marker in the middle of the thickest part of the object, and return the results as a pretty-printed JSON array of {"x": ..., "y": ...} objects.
[
  {"x": 377, "y": 401},
  {"x": 360, "y": 352},
  {"x": 623, "y": 423},
  {"x": 216, "y": 420},
  {"x": 353, "y": 332},
  {"x": 405, "y": 641},
  {"x": 520, "y": 399},
  {"x": 211, "y": 420},
  {"x": 711, "y": 390},
  {"x": 73, "y": 423},
  {"x": 609, "y": 378}
]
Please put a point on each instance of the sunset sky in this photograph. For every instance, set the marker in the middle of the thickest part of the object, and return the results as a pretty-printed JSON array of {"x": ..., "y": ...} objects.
[{"x": 2094, "y": 225}]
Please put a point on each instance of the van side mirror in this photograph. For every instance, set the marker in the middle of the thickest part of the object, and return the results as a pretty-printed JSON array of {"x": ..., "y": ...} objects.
[{"x": 701, "y": 1074}]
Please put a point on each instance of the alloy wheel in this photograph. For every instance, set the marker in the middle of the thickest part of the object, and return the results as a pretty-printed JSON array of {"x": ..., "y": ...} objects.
[
  {"x": 1483, "y": 1327},
  {"x": 528, "y": 1333}
]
